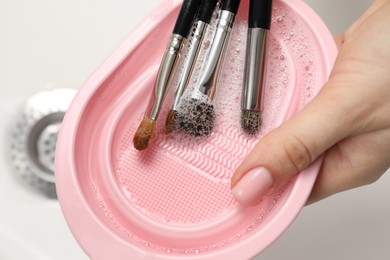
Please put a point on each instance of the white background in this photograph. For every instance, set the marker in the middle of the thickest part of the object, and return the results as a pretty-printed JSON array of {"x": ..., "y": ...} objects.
[{"x": 49, "y": 44}]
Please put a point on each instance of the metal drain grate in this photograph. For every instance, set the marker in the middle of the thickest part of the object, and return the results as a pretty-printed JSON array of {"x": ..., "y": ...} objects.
[{"x": 34, "y": 138}]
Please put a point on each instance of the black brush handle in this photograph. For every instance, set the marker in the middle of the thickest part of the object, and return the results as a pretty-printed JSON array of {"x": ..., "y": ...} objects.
[
  {"x": 230, "y": 5},
  {"x": 186, "y": 17},
  {"x": 207, "y": 11},
  {"x": 260, "y": 13}
]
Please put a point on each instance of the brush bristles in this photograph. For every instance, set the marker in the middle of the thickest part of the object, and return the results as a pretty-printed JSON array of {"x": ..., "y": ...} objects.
[
  {"x": 144, "y": 134},
  {"x": 170, "y": 121},
  {"x": 251, "y": 121},
  {"x": 197, "y": 119}
]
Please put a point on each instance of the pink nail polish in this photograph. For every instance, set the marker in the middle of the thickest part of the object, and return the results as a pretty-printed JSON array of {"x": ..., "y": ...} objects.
[{"x": 252, "y": 186}]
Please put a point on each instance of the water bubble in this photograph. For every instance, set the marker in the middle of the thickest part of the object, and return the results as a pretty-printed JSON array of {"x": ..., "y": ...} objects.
[{"x": 206, "y": 45}]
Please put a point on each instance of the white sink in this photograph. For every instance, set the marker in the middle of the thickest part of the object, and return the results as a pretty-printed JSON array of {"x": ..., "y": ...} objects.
[{"x": 58, "y": 44}]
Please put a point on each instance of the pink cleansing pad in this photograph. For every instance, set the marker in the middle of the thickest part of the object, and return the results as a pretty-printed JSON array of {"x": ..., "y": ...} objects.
[{"x": 173, "y": 201}]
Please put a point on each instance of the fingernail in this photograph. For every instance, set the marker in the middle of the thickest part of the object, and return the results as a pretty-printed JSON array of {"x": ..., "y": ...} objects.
[{"x": 252, "y": 186}]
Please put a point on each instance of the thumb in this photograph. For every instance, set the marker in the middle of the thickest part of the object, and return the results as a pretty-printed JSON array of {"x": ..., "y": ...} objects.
[{"x": 290, "y": 148}]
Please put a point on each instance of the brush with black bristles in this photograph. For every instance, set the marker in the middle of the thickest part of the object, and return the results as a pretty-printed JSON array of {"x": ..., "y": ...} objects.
[
  {"x": 167, "y": 70},
  {"x": 259, "y": 23},
  {"x": 196, "y": 40},
  {"x": 198, "y": 118}
]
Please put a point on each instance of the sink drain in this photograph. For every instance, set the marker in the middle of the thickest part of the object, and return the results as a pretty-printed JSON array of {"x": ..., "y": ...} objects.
[{"x": 34, "y": 138}]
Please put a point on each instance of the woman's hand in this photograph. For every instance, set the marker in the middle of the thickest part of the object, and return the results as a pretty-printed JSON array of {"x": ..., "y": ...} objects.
[{"x": 348, "y": 121}]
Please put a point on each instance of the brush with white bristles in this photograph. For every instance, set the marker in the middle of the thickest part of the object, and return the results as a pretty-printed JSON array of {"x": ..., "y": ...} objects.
[
  {"x": 198, "y": 119},
  {"x": 196, "y": 41}
]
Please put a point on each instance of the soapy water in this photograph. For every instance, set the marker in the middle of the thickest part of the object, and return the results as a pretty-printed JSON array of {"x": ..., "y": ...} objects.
[
  {"x": 262, "y": 214},
  {"x": 203, "y": 195},
  {"x": 196, "y": 117}
]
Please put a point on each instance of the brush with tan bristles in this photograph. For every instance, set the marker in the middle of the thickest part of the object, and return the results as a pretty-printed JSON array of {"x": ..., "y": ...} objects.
[
  {"x": 259, "y": 22},
  {"x": 196, "y": 41},
  {"x": 166, "y": 72}
]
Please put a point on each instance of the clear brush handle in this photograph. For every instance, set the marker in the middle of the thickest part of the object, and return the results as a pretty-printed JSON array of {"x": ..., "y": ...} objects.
[
  {"x": 211, "y": 71},
  {"x": 192, "y": 55}
]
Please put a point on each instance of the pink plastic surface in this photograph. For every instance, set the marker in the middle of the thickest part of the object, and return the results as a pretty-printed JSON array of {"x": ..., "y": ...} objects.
[{"x": 173, "y": 201}]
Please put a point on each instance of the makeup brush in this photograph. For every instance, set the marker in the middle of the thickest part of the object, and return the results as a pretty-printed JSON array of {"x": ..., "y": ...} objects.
[
  {"x": 259, "y": 23},
  {"x": 198, "y": 118},
  {"x": 165, "y": 74},
  {"x": 196, "y": 40}
]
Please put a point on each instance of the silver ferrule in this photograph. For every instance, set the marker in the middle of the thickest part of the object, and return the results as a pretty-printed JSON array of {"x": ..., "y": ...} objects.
[
  {"x": 165, "y": 75},
  {"x": 254, "y": 77},
  {"x": 209, "y": 77},
  {"x": 192, "y": 55}
]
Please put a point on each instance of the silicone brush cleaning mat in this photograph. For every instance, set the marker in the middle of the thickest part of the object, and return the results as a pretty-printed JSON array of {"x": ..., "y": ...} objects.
[{"x": 173, "y": 201}]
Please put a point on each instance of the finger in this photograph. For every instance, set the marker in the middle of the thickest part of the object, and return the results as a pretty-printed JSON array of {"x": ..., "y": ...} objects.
[
  {"x": 352, "y": 163},
  {"x": 291, "y": 147}
]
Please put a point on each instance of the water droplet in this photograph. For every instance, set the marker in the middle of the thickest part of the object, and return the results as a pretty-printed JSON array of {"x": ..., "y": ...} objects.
[
  {"x": 279, "y": 20},
  {"x": 281, "y": 57},
  {"x": 206, "y": 45}
]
